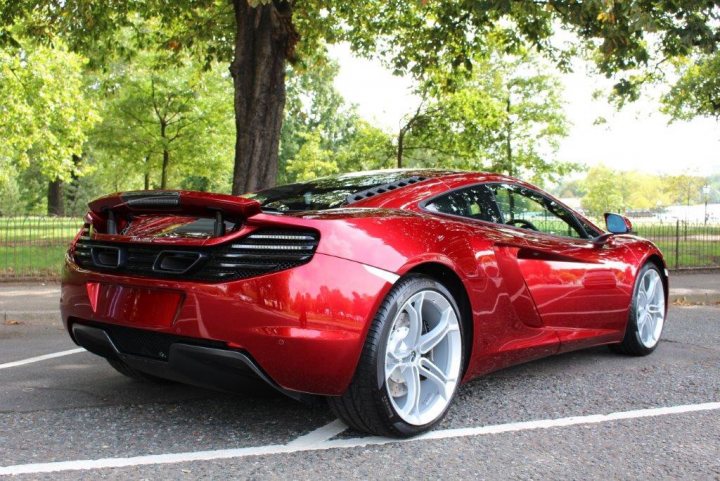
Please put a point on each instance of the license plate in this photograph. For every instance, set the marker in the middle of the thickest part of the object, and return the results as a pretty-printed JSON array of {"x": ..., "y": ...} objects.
[{"x": 135, "y": 306}]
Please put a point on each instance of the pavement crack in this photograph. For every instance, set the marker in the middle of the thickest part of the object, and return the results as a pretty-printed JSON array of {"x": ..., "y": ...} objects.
[{"x": 685, "y": 343}]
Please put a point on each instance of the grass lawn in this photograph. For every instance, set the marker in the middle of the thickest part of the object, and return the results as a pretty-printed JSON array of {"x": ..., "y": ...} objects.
[{"x": 34, "y": 247}]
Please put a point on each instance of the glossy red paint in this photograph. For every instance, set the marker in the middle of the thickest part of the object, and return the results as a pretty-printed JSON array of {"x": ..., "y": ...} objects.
[
  {"x": 531, "y": 294},
  {"x": 305, "y": 334}
]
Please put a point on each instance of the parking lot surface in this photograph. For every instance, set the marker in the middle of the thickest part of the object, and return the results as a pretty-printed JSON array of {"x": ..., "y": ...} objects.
[{"x": 74, "y": 417}]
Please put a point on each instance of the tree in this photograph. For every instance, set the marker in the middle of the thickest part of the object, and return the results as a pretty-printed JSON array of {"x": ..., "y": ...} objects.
[
  {"x": 311, "y": 160},
  {"x": 697, "y": 91},
  {"x": 506, "y": 117},
  {"x": 366, "y": 147},
  {"x": 314, "y": 112},
  {"x": 45, "y": 115},
  {"x": 163, "y": 117},
  {"x": 685, "y": 188},
  {"x": 321, "y": 133},
  {"x": 608, "y": 190},
  {"x": 602, "y": 193},
  {"x": 258, "y": 38}
]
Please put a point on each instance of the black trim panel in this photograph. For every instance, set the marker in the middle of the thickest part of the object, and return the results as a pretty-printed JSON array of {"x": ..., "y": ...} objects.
[{"x": 187, "y": 360}]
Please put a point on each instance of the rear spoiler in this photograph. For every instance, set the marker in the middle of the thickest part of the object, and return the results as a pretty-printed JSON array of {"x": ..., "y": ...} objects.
[{"x": 184, "y": 202}]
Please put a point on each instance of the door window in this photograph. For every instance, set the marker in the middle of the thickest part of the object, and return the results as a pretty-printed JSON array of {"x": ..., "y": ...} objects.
[
  {"x": 527, "y": 209},
  {"x": 474, "y": 202}
]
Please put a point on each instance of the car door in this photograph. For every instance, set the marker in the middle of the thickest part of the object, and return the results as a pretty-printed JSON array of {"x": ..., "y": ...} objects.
[
  {"x": 508, "y": 327},
  {"x": 576, "y": 284}
]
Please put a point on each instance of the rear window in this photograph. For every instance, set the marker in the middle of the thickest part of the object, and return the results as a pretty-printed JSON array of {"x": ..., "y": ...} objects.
[{"x": 326, "y": 192}]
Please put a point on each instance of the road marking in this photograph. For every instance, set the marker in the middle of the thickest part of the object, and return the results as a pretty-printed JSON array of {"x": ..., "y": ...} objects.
[
  {"x": 44, "y": 357},
  {"x": 319, "y": 435},
  {"x": 154, "y": 459}
]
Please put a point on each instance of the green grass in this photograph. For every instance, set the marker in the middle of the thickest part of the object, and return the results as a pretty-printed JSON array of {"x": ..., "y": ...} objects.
[
  {"x": 34, "y": 247},
  {"x": 691, "y": 253}
]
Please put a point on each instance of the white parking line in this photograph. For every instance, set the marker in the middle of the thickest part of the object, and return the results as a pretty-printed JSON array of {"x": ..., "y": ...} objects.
[
  {"x": 319, "y": 435},
  {"x": 44, "y": 357},
  {"x": 346, "y": 443}
]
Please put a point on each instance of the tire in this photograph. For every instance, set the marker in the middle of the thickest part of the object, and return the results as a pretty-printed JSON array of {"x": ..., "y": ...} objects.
[
  {"x": 406, "y": 379},
  {"x": 646, "y": 318},
  {"x": 128, "y": 371}
]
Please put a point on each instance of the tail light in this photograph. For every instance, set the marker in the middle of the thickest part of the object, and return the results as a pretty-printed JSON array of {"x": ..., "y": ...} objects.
[{"x": 261, "y": 252}]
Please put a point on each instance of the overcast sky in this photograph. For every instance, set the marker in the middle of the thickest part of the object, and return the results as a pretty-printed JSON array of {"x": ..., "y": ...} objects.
[{"x": 636, "y": 138}]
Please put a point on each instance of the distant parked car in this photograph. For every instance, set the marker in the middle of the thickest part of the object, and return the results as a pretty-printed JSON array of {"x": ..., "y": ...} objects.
[{"x": 382, "y": 291}]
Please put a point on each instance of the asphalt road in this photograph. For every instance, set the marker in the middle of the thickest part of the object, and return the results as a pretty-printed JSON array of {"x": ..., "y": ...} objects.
[{"x": 75, "y": 407}]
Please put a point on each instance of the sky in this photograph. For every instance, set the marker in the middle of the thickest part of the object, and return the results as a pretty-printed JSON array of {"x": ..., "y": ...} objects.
[{"x": 638, "y": 137}]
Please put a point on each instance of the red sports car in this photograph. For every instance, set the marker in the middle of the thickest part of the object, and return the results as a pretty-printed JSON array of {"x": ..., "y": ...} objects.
[{"x": 382, "y": 291}]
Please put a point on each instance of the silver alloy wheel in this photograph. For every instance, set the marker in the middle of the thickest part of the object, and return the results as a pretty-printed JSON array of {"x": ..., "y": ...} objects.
[
  {"x": 423, "y": 357},
  {"x": 650, "y": 310}
]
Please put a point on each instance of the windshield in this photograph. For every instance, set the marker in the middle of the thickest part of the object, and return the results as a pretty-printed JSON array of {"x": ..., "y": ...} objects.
[{"x": 326, "y": 192}]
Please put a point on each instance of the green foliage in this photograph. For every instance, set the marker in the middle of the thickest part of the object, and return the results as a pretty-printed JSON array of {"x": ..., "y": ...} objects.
[
  {"x": 366, "y": 148},
  {"x": 697, "y": 92},
  {"x": 312, "y": 160},
  {"x": 165, "y": 119},
  {"x": 506, "y": 117},
  {"x": 321, "y": 133},
  {"x": 45, "y": 115},
  {"x": 685, "y": 189},
  {"x": 623, "y": 36},
  {"x": 608, "y": 190},
  {"x": 414, "y": 37},
  {"x": 153, "y": 65},
  {"x": 10, "y": 197}
]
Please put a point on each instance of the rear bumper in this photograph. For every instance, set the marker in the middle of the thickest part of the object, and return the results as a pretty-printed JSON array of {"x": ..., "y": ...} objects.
[
  {"x": 302, "y": 329},
  {"x": 186, "y": 362}
]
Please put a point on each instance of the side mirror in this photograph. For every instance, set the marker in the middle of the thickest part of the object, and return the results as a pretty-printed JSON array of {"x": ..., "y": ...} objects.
[{"x": 617, "y": 224}]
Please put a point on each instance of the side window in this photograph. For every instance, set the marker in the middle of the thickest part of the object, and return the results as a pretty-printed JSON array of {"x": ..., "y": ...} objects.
[
  {"x": 474, "y": 202},
  {"x": 591, "y": 231},
  {"x": 521, "y": 207}
]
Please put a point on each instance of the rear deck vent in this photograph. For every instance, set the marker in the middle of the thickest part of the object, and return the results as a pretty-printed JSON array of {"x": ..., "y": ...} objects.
[{"x": 381, "y": 189}]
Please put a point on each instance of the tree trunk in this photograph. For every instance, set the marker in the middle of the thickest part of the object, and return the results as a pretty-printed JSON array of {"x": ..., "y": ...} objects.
[
  {"x": 264, "y": 40},
  {"x": 147, "y": 173},
  {"x": 400, "y": 146},
  {"x": 165, "y": 156},
  {"x": 55, "y": 202},
  {"x": 72, "y": 194},
  {"x": 508, "y": 137},
  {"x": 165, "y": 162}
]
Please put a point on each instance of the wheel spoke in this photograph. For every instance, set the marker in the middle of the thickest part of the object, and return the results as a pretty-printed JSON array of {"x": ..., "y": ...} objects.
[
  {"x": 414, "y": 310},
  {"x": 654, "y": 309},
  {"x": 431, "y": 339},
  {"x": 640, "y": 321},
  {"x": 412, "y": 401},
  {"x": 648, "y": 327},
  {"x": 391, "y": 365},
  {"x": 433, "y": 374},
  {"x": 652, "y": 287}
]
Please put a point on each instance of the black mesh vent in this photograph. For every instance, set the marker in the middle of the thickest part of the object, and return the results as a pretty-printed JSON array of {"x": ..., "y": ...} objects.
[
  {"x": 259, "y": 253},
  {"x": 381, "y": 189}
]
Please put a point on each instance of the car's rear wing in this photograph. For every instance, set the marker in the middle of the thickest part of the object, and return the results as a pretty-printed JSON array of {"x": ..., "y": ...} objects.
[{"x": 111, "y": 211}]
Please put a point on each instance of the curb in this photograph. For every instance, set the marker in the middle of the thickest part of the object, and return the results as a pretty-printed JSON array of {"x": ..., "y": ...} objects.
[
  {"x": 6, "y": 316},
  {"x": 707, "y": 298}
]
